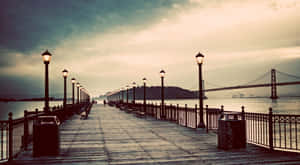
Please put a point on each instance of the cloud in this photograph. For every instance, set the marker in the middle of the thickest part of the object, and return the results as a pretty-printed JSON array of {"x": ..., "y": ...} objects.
[
  {"x": 34, "y": 24},
  {"x": 231, "y": 37},
  {"x": 109, "y": 47}
]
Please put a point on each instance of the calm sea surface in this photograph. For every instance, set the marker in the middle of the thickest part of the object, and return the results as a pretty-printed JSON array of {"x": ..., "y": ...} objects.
[
  {"x": 17, "y": 108},
  {"x": 282, "y": 105}
]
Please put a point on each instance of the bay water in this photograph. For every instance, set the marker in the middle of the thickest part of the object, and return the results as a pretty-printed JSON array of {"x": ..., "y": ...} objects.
[
  {"x": 286, "y": 105},
  {"x": 18, "y": 107}
]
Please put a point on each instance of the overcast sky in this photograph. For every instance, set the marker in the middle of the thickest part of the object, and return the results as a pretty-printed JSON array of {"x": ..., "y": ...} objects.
[{"x": 109, "y": 44}]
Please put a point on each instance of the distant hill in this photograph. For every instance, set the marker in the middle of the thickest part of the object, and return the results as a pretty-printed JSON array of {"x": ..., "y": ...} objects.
[{"x": 154, "y": 92}]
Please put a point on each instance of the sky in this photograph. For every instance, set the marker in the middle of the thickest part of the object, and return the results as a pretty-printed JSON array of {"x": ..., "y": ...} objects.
[{"x": 109, "y": 44}]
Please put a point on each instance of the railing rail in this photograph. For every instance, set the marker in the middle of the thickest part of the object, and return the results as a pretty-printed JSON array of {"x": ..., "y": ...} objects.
[{"x": 274, "y": 131}]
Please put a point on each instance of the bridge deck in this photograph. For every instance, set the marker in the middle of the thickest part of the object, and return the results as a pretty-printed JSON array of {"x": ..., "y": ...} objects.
[{"x": 110, "y": 136}]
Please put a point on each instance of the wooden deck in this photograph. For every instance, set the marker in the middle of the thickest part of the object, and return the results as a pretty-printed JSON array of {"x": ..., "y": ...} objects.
[{"x": 110, "y": 136}]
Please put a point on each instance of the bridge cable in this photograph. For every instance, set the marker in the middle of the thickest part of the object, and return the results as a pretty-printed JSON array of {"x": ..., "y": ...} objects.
[
  {"x": 257, "y": 79},
  {"x": 289, "y": 75},
  {"x": 212, "y": 84}
]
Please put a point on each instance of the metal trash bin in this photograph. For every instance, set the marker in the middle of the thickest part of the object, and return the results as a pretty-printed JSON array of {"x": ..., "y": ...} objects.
[
  {"x": 46, "y": 136},
  {"x": 231, "y": 131}
]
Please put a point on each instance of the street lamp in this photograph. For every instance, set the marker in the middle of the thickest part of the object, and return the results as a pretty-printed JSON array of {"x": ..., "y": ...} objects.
[
  {"x": 77, "y": 85},
  {"x": 144, "y": 80},
  {"x": 134, "y": 85},
  {"x": 73, "y": 90},
  {"x": 81, "y": 94},
  {"x": 46, "y": 58},
  {"x": 122, "y": 94},
  {"x": 65, "y": 75},
  {"x": 162, "y": 75},
  {"x": 199, "y": 59}
]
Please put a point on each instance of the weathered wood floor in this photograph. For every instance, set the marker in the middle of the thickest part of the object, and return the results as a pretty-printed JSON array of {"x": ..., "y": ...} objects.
[{"x": 110, "y": 136}]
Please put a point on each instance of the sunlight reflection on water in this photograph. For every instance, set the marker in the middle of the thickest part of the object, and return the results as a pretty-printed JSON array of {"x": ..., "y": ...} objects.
[{"x": 282, "y": 105}]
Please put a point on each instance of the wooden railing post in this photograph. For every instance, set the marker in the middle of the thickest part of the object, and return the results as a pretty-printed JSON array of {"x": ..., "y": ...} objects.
[
  {"x": 152, "y": 113},
  {"x": 160, "y": 111},
  {"x": 196, "y": 116},
  {"x": 166, "y": 109},
  {"x": 171, "y": 113},
  {"x": 222, "y": 111},
  {"x": 25, "y": 136},
  {"x": 174, "y": 113},
  {"x": 243, "y": 113},
  {"x": 36, "y": 113},
  {"x": 206, "y": 114},
  {"x": 155, "y": 111},
  {"x": 10, "y": 137},
  {"x": 271, "y": 129},
  {"x": 177, "y": 113},
  {"x": 185, "y": 108}
]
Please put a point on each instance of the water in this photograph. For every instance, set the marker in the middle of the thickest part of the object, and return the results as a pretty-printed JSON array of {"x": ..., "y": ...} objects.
[
  {"x": 261, "y": 105},
  {"x": 17, "y": 108}
]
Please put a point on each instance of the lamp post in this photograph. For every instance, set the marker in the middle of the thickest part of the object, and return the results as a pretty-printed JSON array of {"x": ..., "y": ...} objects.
[
  {"x": 65, "y": 75},
  {"x": 77, "y": 85},
  {"x": 133, "y": 88},
  {"x": 127, "y": 87},
  {"x": 73, "y": 90},
  {"x": 122, "y": 94},
  {"x": 144, "y": 80},
  {"x": 46, "y": 58},
  {"x": 162, "y": 75},
  {"x": 199, "y": 59},
  {"x": 81, "y": 95}
]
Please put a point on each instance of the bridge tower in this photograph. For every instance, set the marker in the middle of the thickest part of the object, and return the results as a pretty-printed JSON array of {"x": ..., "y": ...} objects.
[{"x": 273, "y": 85}]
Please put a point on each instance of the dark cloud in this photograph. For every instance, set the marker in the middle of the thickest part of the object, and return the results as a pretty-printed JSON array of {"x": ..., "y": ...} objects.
[
  {"x": 34, "y": 24},
  {"x": 6, "y": 60},
  {"x": 26, "y": 25}
]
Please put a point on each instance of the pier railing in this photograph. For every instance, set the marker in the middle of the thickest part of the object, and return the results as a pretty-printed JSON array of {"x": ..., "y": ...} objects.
[
  {"x": 16, "y": 134},
  {"x": 273, "y": 131},
  {"x": 184, "y": 116},
  {"x": 4, "y": 136}
]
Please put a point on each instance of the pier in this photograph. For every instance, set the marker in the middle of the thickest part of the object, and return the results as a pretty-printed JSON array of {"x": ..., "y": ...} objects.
[{"x": 111, "y": 136}]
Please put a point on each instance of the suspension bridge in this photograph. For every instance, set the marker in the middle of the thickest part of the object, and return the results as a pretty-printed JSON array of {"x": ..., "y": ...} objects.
[{"x": 273, "y": 84}]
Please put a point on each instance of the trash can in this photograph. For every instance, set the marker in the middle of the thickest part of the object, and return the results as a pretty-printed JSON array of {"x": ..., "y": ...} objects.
[
  {"x": 231, "y": 131},
  {"x": 46, "y": 136}
]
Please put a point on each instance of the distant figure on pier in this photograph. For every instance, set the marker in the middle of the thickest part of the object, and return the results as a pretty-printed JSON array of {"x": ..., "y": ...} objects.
[{"x": 104, "y": 102}]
